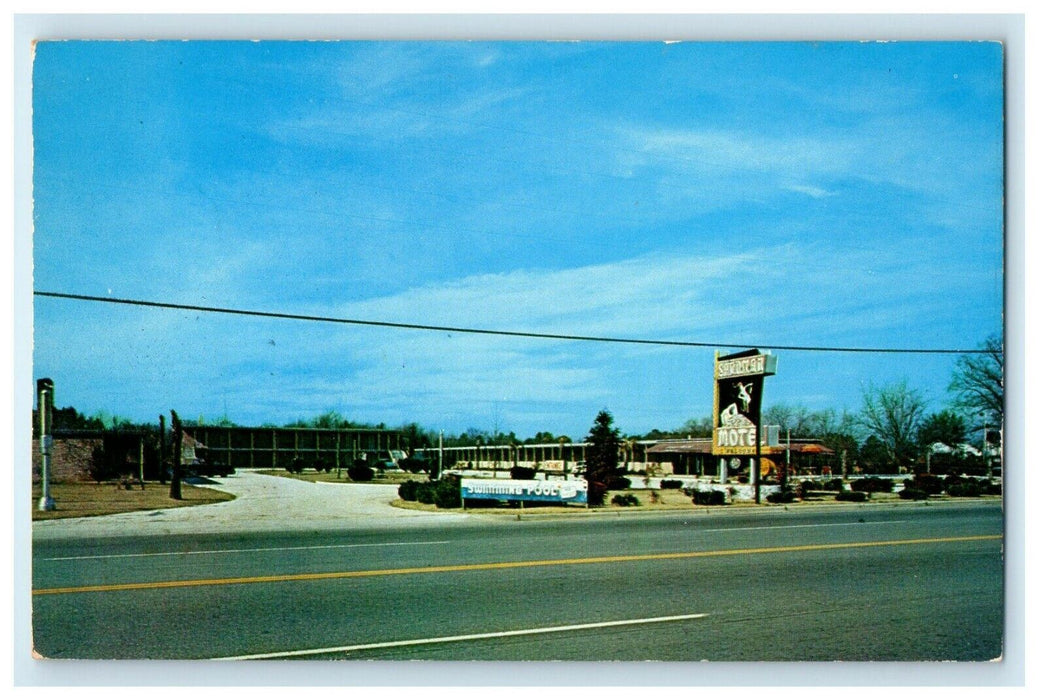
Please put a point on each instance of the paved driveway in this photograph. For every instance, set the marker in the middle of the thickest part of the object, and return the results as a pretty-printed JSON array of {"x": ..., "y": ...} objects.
[{"x": 262, "y": 503}]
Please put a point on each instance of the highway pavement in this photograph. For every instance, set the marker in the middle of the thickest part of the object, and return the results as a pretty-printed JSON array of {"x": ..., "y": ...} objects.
[{"x": 905, "y": 582}]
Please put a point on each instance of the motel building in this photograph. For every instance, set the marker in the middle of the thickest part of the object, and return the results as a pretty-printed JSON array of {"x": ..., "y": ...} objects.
[{"x": 640, "y": 459}]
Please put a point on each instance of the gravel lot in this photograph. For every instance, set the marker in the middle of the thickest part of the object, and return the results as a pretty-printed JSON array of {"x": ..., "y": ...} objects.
[{"x": 263, "y": 503}]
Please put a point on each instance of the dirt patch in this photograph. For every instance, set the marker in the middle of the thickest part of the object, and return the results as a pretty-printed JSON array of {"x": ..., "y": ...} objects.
[{"x": 77, "y": 499}]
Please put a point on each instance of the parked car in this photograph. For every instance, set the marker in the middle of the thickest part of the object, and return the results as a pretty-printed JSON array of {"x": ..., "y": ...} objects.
[{"x": 206, "y": 468}]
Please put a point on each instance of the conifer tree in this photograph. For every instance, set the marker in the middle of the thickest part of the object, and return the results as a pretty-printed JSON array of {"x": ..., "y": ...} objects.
[{"x": 601, "y": 456}]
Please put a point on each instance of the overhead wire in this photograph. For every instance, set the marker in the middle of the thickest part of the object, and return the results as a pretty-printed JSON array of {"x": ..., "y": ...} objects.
[{"x": 494, "y": 332}]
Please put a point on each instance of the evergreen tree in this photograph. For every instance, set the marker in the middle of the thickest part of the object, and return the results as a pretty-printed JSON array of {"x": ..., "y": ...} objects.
[{"x": 601, "y": 456}]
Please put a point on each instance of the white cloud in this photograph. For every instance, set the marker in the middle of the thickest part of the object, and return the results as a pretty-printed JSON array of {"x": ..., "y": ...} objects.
[
  {"x": 712, "y": 151},
  {"x": 815, "y": 192}
]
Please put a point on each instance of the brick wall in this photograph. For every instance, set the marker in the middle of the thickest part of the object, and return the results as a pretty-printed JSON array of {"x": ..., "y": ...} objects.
[{"x": 70, "y": 459}]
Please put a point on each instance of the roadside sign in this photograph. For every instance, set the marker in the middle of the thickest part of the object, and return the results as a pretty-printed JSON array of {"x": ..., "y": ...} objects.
[
  {"x": 738, "y": 400},
  {"x": 547, "y": 491}
]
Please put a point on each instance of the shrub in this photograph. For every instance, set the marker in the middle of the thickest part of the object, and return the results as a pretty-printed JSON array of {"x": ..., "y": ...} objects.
[
  {"x": 967, "y": 488},
  {"x": 855, "y": 496},
  {"x": 780, "y": 497},
  {"x": 625, "y": 499},
  {"x": 832, "y": 485},
  {"x": 807, "y": 485},
  {"x": 671, "y": 484},
  {"x": 872, "y": 485},
  {"x": 929, "y": 483},
  {"x": 408, "y": 490},
  {"x": 361, "y": 473},
  {"x": 447, "y": 492},
  {"x": 708, "y": 498},
  {"x": 910, "y": 493},
  {"x": 523, "y": 473},
  {"x": 297, "y": 466},
  {"x": 619, "y": 483},
  {"x": 426, "y": 494},
  {"x": 991, "y": 489}
]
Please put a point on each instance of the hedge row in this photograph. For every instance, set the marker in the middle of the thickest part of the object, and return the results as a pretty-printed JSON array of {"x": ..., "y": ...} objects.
[
  {"x": 872, "y": 485},
  {"x": 708, "y": 498},
  {"x": 445, "y": 493}
]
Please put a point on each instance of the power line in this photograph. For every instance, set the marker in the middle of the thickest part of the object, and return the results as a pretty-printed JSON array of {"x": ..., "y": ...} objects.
[{"x": 487, "y": 331}]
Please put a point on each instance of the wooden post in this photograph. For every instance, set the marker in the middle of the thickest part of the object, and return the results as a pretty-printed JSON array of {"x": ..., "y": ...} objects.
[
  {"x": 163, "y": 449},
  {"x": 176, "y": 458}
]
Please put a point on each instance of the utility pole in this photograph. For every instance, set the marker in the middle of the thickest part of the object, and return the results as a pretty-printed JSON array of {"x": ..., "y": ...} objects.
[{"x": 45, "y": 400}]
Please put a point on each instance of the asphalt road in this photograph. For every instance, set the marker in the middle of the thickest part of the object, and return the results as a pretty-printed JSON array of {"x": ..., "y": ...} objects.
[{"x": 910, "y": 582}]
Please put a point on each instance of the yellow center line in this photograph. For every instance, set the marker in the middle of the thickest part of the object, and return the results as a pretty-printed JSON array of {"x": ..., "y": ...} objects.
[{"x": 490, "y": 566}]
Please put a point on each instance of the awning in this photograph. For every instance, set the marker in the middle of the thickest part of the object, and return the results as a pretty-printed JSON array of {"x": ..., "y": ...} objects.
[{"x": 702, "y": 447}]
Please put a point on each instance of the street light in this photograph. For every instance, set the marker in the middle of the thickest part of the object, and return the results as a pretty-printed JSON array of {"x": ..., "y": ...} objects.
[{"x": 45, "y": 400}]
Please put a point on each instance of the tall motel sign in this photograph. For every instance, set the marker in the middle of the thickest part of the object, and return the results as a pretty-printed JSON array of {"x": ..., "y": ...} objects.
[{"x": 737, "y": 404}]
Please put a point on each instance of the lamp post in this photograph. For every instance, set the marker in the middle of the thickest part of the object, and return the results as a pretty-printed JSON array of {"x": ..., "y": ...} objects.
[{"x": 45, "y": 400}]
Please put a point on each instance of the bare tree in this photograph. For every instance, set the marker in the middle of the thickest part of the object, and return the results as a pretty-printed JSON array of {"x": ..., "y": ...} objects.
[
  {"x": 697, "y": 427},
  {"x": 797, "y": 419},
  {"x": 893, "y": 414},
  {"x": 977, "y": 381}
]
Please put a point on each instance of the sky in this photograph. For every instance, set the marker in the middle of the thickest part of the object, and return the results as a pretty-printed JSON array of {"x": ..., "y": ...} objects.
[{"x": 737, "y": 194}]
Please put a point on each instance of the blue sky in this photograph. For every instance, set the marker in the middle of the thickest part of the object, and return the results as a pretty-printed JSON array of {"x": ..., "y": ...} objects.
[{"x": 749, "y": 194}]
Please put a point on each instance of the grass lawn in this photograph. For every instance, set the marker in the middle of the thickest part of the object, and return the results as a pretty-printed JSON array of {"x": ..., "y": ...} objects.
[{"x": 78, "y": 499}]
